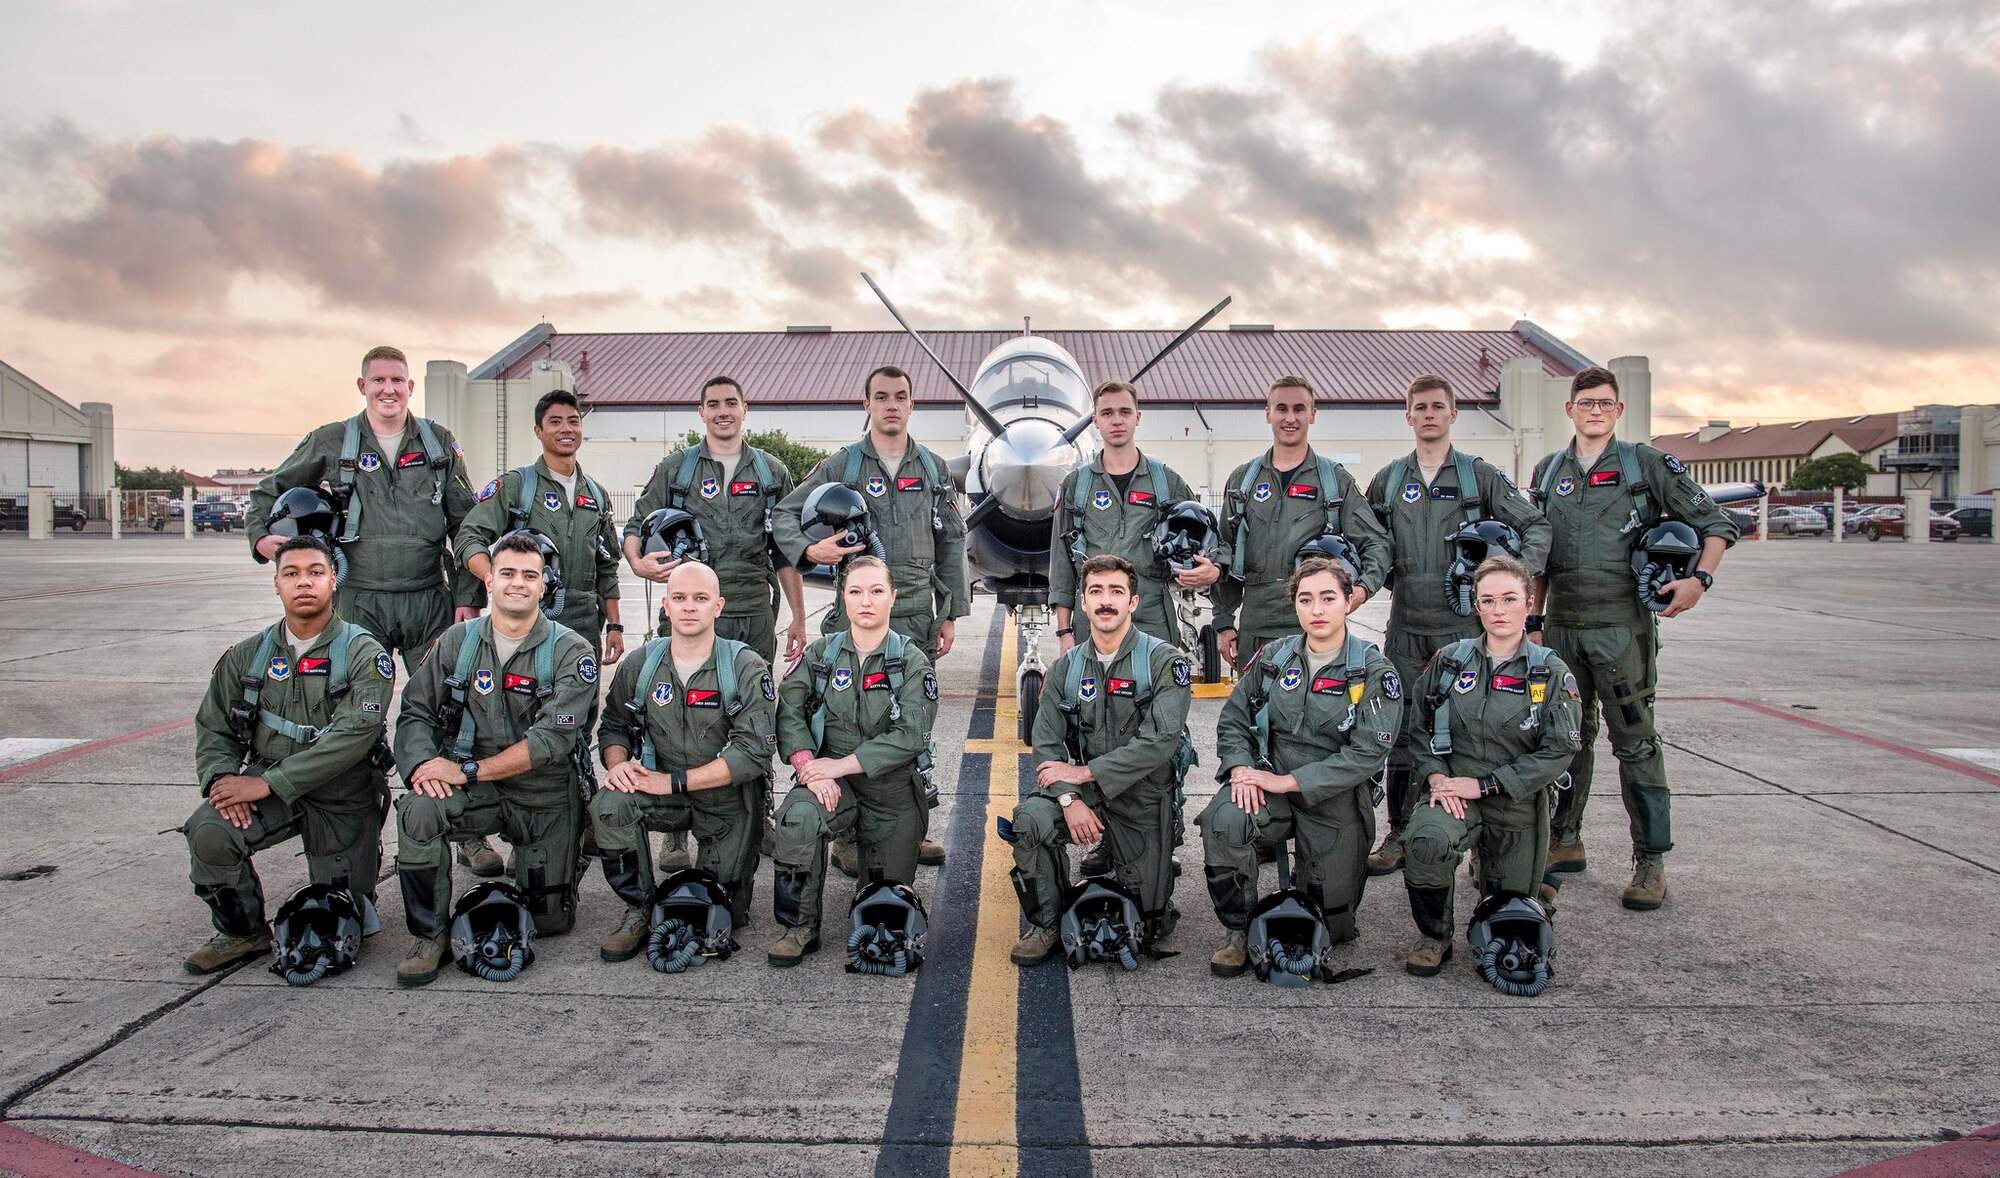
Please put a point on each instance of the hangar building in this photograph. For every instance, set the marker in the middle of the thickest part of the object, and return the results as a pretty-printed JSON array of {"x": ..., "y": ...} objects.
[
  {"x": 47, "y": 442},
  {"x": 1203, "y": 405}
]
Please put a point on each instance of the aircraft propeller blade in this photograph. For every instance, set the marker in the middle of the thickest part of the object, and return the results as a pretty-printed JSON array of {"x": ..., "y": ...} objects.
[
  {"x": 986, "y": 418},
  {"x": 1075, "y": 431},
  {"x": 979, "y": 513}
]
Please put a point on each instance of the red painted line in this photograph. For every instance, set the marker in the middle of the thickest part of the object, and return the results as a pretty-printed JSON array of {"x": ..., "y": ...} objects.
[
  {"x": 1887, "y": 746},
  {"x": 38, "y": 1157},
  {"x": 96, "y": 746},
  {"x": 1975, "y": 1155}
]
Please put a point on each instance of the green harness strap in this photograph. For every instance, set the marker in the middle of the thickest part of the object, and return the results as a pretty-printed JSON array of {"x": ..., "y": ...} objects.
[
  {"x": 1073, "y": 497},
  {"x": 894, "y": 646},
  {"x": 1628, "y": 470},
  {"x": 253, "y": 687},
  {"x": 524, "y": 503},
  {"x": 1330, "y": 501},
  {"x": 939, "y": 589},
  {"x": 726, "y": 650},
  {"x": 468, "y": 653},
  {"x": 1469, "y": 498},
  {"x": 1355, "y": 655},
  {"x": 350, "y": 456},
  {"x": 1453, "y": 661}
]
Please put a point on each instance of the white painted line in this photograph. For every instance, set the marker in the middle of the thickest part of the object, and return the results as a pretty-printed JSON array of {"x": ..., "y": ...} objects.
[
  {"x": 16, "y": 749},
  {"x": 1984, "y": 758}
]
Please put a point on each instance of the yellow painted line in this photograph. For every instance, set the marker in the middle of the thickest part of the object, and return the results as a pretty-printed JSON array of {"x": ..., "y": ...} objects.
[
  {"x": 984, "y": 1138},
  {"x": 1214, "y": 690}
]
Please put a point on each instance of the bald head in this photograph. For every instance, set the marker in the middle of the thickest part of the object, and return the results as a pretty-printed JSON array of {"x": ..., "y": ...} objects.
[{"x": 694, "y": 600}]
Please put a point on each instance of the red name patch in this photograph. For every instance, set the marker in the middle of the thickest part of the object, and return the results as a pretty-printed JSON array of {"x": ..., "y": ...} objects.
[
  {"x": 586, "y": 502},
  {"x": 1119, "y": 686},
  {"x": 314, "y": 666},
  {"x": 1301, "y": 491},
  {"x": 1142, "y": 498},
  {"x": 743, "y": 488},
  {"x": 909, "y": 484},
  {"x": 1510, "y": 683},
  {"x": 410, "y": 460},
  {"x": 702, "y": 699},
  {"x": 875, "y": 681},
  {"x": 1326, "y": 686},
  {"x": 1603, "y": 478},
  {"x": 521, "y": 684}
]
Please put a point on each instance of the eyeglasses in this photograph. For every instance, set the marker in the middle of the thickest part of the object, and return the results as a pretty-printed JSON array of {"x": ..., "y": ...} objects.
[
  {"x": 1595, "y": 406},
  {"x": 1504, "y": 601}
]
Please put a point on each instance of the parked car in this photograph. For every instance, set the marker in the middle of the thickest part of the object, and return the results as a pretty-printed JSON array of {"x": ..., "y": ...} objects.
[
  {"x": 1974, "y": 521},
  {"x": 1745, "y": 521},
  {"x": 1797, "y": 521},
  {"x": 1852, "y": 524},
  {"x": 1889, "y": 522},
  {"x": 217, "y": 515},
  {"x": 14, "y": 514}
]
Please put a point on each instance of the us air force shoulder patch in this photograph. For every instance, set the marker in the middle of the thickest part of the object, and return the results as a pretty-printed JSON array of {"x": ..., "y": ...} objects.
[
  {"x": 930, "y": 686},
  {"x": 385, "y": 666},
  {"x": 1675, "y": 464},
  {"x": 1392, "y": 686},
  {"x": 489, "y": 490},
  {"x": 770, "y": 688},
  {"x": 586, "y": 669},
  {"x": 1183, "y": 672}
]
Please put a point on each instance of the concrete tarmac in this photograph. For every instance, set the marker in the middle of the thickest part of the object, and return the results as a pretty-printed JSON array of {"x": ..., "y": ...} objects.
[{"x": 1821, "y": 991}]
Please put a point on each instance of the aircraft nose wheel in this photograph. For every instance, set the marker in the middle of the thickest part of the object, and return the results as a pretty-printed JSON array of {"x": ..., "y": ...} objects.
[{"x": 1030, "y": 701}]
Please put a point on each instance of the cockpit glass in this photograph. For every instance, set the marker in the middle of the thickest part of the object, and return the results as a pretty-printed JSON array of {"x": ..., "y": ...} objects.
[{"x": 1031, "y": 381}]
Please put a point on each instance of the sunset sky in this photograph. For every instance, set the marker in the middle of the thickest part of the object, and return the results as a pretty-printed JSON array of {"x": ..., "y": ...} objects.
[{"x": 208, "y": 211}]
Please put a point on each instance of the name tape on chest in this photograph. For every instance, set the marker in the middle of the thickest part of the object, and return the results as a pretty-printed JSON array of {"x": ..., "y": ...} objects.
[{"x": 1301, "y": 491}]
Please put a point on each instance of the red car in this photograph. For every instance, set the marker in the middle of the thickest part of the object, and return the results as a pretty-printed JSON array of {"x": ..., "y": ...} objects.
[{"x": 1889, "y": 522}]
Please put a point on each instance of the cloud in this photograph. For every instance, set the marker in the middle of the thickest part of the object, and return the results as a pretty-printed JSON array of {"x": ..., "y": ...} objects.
[
  {"x": 173, "y": 225},
  {"x": 200, "y": 361}
]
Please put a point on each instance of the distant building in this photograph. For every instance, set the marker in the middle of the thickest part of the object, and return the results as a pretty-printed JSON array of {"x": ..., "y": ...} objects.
[
  {"x": 1720, "y": 453},
  {"x": 1204, "y": 405},
  {"x": 207, "y": 488},
  {"x": 1949, "y": 450},
  {"x": 238, "y": 483},
  {"x": 47, "y": 442}
]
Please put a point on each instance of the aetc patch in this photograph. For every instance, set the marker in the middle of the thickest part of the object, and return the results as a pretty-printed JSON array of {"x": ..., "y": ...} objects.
[
  {"x": 930, "y": 686},
  {"x": 1566, "y": 485},
  {"x": 1183, "y": 673},
  {"x": 663, "y": 694},
  {"x": 482, "y": 682},
  {"x": 385, "y": 666},
  {"x": 1086, "y": 690},
  {"x": 770, "y": 689},
  {"x": 877, "y": 485},
  {"x": 1392, "y": 686},
  {"x": 710, "y": 488},
  {"x": 1467, "y": 680},
  {"x": 586, "y": 669},
  {"x": 1262, "y": 493},
  {"x": 371, "y": 462},
  {"x": 281, "y": 667},
  {"x": 552, "y": 500},
  {"x": 842, "y": 678},
  {"x": 1101, "y": 500},
  {"x": 1291, "y": 679},
  {"x": 1412, "y": 492}
]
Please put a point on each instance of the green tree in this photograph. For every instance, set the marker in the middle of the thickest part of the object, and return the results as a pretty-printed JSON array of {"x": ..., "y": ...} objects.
[
  {"x": 152, "y": 478},
  {"x": 798, "y": 457},
  {"x": 1824, "y": 474}
]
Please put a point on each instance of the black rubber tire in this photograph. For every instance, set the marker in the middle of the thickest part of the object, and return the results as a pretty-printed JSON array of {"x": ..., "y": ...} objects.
[
  {"x": 1029, "y": 702},
  {"x": 1211, "y": 656}
]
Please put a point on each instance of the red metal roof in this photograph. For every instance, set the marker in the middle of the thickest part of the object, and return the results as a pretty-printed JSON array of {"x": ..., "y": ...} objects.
[
  {"x": 794, "y": 368},
  {"x": 1783, "y": 440}
]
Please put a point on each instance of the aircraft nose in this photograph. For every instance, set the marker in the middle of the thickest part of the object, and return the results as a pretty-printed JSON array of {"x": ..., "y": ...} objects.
[{"x": 1025, "y": 467}]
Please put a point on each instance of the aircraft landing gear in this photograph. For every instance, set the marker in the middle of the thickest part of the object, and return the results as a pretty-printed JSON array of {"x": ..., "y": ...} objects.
[{"x": 1030, "y": 621}]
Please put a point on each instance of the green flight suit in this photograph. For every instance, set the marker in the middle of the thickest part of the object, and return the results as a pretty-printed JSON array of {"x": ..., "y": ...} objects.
[
  {"x": 690, "y": 725},
  {"x": 885, "y": 810},
  {"x": 1605, "y": 635},
  {"x": 1269, "y": 526},
  {"x": 1130, "y": 745},
  {"x": 1331, "y": 730},
  {"x": 398, "y": 585},
  {"x": 581, "y": 527},
  {"x": 327, "y": 791},
  {"x": 1421, "y": 520},
  {"x": 743, "y": 554},
  {"x": 539, "y": 811},
  {"x": 926, "y": 562},
  {"x": 1492, "y": 732},
  {"x": 1117, "y": 524}
]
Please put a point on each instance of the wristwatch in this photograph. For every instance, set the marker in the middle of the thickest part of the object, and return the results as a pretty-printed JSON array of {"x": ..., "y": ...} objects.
[
  {"x": 1707, "y": 581},
  {"x": 470, "y": 768},
  {"x": 1067, "y": 800},
  {"x": 613, "y": 628}
]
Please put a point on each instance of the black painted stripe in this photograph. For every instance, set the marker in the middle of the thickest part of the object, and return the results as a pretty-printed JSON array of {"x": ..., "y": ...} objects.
[
  {"x": 924, "y": 1107},
  {"x": 1048, "y": 1086}
]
